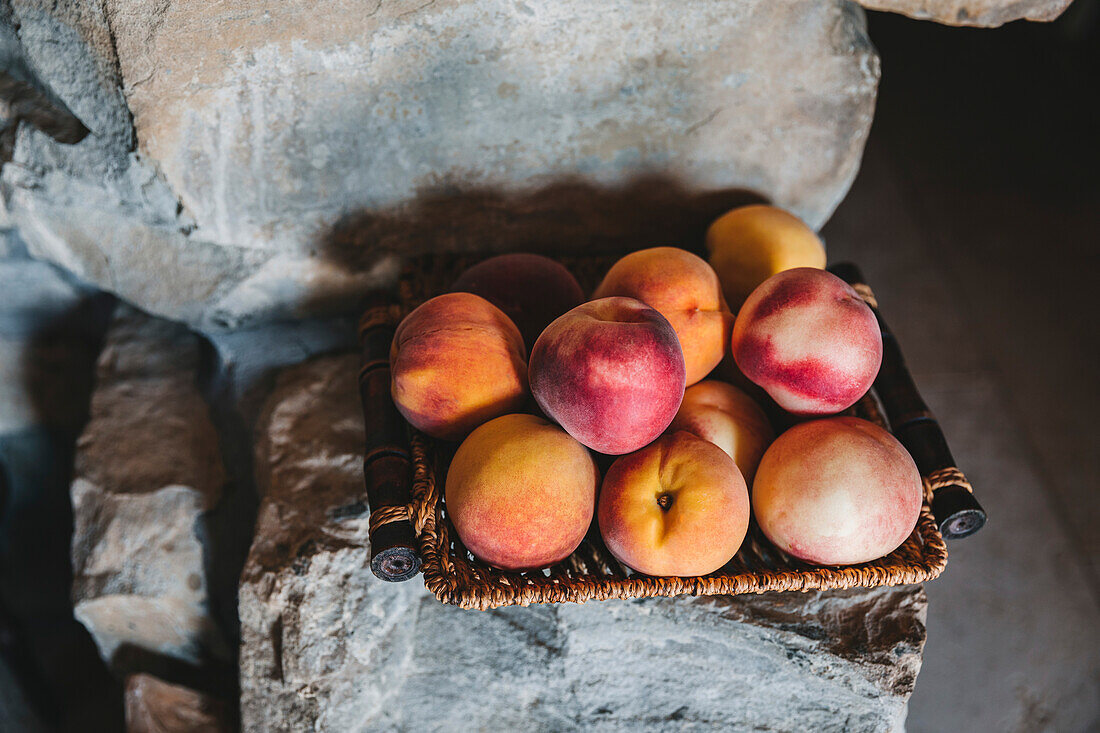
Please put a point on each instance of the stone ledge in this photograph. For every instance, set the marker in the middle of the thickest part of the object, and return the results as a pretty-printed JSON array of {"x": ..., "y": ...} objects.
[{"x": 327, "y": 646}]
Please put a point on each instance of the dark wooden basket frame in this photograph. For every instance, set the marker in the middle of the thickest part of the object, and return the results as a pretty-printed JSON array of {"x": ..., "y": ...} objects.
[{"x": 409, "y": 530}]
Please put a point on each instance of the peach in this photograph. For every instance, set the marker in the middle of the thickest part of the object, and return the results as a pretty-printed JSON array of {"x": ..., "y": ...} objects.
[
  {"x": 610, "y": 372},
  {"x": 751, "y": 243},
  {"x": 676, "y": 507},
  {"x": 837, "y": 491},
  {"x": 809, "y": 341},
  {"x": 531, "y": 289},
  {"x": 685, "y": 290},
  {"x": 521, "y": 493},
  {"x": 457, "y": 361},
  {"x": 729, "y": 418}
]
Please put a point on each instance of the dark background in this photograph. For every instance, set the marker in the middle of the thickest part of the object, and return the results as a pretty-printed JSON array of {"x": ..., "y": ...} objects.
[{"x": 976, "y": 217}]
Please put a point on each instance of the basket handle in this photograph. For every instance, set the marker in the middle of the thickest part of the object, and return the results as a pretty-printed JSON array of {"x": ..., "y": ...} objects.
[
  {"x": 386, "y": 466},
  {"x": 958, "y": 513}
]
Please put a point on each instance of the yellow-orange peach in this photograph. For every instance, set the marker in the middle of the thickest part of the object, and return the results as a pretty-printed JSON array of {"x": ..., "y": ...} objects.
[
  {"x": 730, "y": 419},
  {"x": 457, "y": 361},
  {"x": 610, "y": 372},
  {"x": 837, "y": 491},
  {"x": 684, "y": 289},
  {"x": 677, "y": 507},
  {"x": 809, "y": 340},
  {"x": 751, "y": 243},
  {"x": 521, "y": 492}
]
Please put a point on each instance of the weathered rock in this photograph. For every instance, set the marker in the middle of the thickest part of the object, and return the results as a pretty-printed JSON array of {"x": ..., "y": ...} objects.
[
  {"x": 989, "y": 13},
  {"x": 567, "y": 121},
  {"x": 138, "y": 572},
  {"x": 326, "y": 646},
  {"x": 156, "y": 706},
  {"x": 150, "y": 426},
  {"x": 147, "y": 467}
]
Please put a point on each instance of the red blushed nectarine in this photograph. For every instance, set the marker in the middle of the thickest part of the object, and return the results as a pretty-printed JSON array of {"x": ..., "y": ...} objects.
[
  {"x": 521, "y": 492},
  {"x": 677, "y": 507},
  {"x": 837, "y": 491},
  {"x": 456, "y": 362},
  {"x": 610, "y": 372},
  {"x": 808, "y": 339}
]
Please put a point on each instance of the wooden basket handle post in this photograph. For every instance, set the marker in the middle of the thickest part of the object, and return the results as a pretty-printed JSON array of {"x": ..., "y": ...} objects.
[
  {"x": 954, "y": 506},
  {"x": 386, "y": 465}
]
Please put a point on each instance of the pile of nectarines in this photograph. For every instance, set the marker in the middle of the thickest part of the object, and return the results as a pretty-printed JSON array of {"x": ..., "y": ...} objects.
[{"x": 634, "y": 373}]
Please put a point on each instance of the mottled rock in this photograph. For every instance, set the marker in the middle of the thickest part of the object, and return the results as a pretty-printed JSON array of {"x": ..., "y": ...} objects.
[
  {"x": 989, "y": 13},
  {"x": 327, "y": 646},
  {"x": 156, "y": 706},
  {"x": 147, "y": 468},
  {"x": 228, "y": 141}
]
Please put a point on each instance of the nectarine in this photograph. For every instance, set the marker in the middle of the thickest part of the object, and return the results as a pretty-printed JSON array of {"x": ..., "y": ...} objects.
[
  {"x": 751, "y": 243},
  {"x": 456, "y": 362},
  {"x": 676, "y": 507},
  {"x": 521, "y": 493},
  {"x": 837, "y": 491},
  {"x": 809, "y": 340},
  {"x": 610, "y": 372}
]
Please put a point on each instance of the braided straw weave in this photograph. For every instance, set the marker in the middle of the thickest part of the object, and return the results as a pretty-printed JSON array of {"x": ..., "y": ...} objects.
[{"x": 591, "y": 573}]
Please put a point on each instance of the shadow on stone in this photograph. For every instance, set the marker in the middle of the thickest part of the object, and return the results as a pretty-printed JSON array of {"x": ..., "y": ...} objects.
[{"x": 566, "y": 217}]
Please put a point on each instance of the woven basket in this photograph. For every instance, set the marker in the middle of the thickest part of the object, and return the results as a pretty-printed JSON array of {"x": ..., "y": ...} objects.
[{"x": 410, "y": 529}]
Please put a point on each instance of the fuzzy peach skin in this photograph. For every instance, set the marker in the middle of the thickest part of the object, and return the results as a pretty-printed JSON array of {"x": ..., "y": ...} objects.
[
  {"x": 610, "y": 372},
  {"x": 729, "y": 418},
  {"x": 531, "y": 289},
  {"x": 809, "y": 341},
  {"x": 685, "y": 290},
  {"x": 521, "y": 492},
  {"x": 456, "y": 362},
  {"x": 837, "y": 491},
  {"x": 676, "y": 507}
]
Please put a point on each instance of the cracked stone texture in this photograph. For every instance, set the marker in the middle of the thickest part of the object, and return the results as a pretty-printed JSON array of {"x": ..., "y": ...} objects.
[
  {"x": 228, "y": 141},
  {"x": 147, "y": 468},
  {"x": 326, "y": 646},
  {"x": 987, "y": 13}
]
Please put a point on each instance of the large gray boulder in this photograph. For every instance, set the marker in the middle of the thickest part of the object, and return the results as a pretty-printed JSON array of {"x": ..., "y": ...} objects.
[
  {"x": 228, "y": 141},
  {"x": 326, "y": 646},
  {"x": 988, "y": 13}
]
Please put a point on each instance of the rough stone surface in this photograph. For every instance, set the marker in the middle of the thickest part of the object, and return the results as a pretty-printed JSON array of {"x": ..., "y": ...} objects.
[
  {"x": 150, "y": 426},
  {"x": 227, "y": 142},
  {"x": 147, "y": 467},
  {"x": 156, "y": 706},
  {"x": 988, "y": 13},
  {"x": 326, "y": 646}
]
